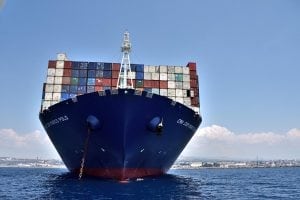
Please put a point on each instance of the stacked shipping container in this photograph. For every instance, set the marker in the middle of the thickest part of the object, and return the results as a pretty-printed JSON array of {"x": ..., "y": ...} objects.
[{"x": 67, "y": 79}]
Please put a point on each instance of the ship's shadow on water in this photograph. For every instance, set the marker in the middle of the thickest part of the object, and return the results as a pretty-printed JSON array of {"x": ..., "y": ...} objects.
[{"x": 67, "y": 186}]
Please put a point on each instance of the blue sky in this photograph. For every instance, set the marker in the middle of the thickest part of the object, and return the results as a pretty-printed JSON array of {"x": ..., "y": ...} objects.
[{"x": 247, "y": 54}]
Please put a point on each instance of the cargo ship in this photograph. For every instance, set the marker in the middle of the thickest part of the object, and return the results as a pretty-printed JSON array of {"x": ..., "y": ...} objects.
[{"x": 119, "y": 120}]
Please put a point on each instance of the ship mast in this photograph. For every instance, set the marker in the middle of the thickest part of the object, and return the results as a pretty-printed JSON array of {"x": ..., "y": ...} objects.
[{"x": 125, "y": 70}]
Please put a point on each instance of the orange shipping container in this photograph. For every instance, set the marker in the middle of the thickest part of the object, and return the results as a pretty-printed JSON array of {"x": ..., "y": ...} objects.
[{"x": 98, "y": 88}]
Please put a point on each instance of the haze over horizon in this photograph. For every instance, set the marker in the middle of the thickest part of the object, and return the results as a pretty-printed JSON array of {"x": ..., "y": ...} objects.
[{"x": 247, "y": 55}]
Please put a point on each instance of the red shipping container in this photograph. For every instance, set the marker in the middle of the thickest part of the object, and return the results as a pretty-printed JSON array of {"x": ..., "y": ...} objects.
[
  {"x": 115, "y": 74},
  {"x": 98, "y": 88},
  {"x": 194, "y": 83},
  {"x": 133, "y": 82},
  {"x": 163, "y": 84},
  {"x": 116, "y": 67},
  {"x": 192, "y": 66},
  {"x": 193, "y": 76},
  {"x": 68, "y": 64},
  {"x": 114, "y": 82},
  {"x": 67, "y": 72},
  {"x": 155, "y": 84},
  {"x": 52, "y": 64},
  {"x": 66, "y": 80},
  {"x": 196, "y": 92},
  {"x": 147, "y": 84},
  {"x": 106, "y": 82},
  {"x": 98, "y": 82},
  {"x": 195, "y": 101}
]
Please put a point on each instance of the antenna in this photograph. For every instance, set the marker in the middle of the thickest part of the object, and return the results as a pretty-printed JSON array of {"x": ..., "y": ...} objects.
[{"x": 125, "y": 70}]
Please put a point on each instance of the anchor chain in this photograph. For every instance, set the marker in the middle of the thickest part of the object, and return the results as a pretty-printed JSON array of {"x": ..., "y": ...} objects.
[{"x": 84, "y": 154}]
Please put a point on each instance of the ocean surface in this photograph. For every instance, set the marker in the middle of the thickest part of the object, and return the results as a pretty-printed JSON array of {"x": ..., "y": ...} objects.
[{"x": 259, "y": 183}]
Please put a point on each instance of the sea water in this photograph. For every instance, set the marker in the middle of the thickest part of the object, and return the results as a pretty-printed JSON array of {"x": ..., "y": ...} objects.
[{"x": 257, "y": 183}]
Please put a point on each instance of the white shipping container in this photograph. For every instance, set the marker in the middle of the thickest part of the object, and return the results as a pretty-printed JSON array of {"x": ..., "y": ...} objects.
[
  {"x": 157, "y": 69},
  {"x": 51, "y": 72},
  {"x": 163, "y": 69},
  {"x": 171, "y": 92},
  {"x": 178, "y": 69},
  {"x": 147, "y": 76},
  {"x": 48, "y": 96},
  {"x": 192, "y": 93},
  {"x": 186, "y": 70},
  {"x": 58, "y": 80},
  {"x": 178, "y": 85},
  {"x": 46, "y": 105},
  {"x": 57, "y": 88},
  {"x": 187, "y": 101},
  {"x": 62, "y": 56},
  {"x": 54, "y": 102},
  {"x": 56, "y": 96},
  {"x": 50, "y": 80},
  {"x": 171, "y": 69},
  {"x": 49, "y": 88},
  {"x": 171, "y": 77},
  {"x": 179, "y": 93},
  {"x": 146, "y": 68},
  {"x": 173, "y": 98},
  {"x": 131, "y": 75},
  {"x": 60, "y": 64},
  {"x": 179, "y": 99},
  {"x": 155, "y": 91},
  {"x": 186, "y": 77},
  {"x": 59, "y": 72},
  {"x": 171, "y": 84},
  {"x": 184, "y": 93},
  {"x": 186, "y": 85},
  {"x": 152, "y": 69},
  {"x": 163, "y": 76},
  {"x": 155, "y": 76},
  {"x": 163, "y": 92}
]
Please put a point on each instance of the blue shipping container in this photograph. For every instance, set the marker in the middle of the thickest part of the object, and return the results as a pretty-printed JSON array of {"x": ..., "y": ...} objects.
[
  {"x": 139, "y": 68},
  {"x": 75, "y": 65},
  {"x": 73, "y": 89},
  {"x": 139, "y": 75},
  {"x": 91, "y": 81},
  {"x": 100, "y": 65},
  {"x": 75, "y": 73},
  {"x": 92, "y": 65},
  {"x": 82, "y": 81},
  {"x": 132, "y": 67},
  {"x": 83, "y": 65},
  {"x": 64, "y": 96},
  {"x": 107, "y": 66},
  {"x": 65, "y": 88},
  {"x": 106, "y": 74},
  {"x": 81, "y": 89},
  {"x": 91, "y": 73},
  {"x": 83, "y": 73},
  {"x": 90, "y": 89},
  {"x": 99, "y": 73}
]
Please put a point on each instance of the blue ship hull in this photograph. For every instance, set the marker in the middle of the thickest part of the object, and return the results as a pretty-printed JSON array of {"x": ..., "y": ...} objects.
[{"x": 122, "y": 144}]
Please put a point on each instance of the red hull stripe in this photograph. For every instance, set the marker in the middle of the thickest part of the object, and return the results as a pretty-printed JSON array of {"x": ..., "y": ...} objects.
[{"x": 121, "y": 173}]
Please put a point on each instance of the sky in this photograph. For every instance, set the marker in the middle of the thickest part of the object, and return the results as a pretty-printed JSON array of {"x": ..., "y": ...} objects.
[{"x": 247, "y": 54}]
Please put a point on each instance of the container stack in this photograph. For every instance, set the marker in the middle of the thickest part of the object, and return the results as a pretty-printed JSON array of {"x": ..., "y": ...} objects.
[{"x": 67, "y": 79}]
